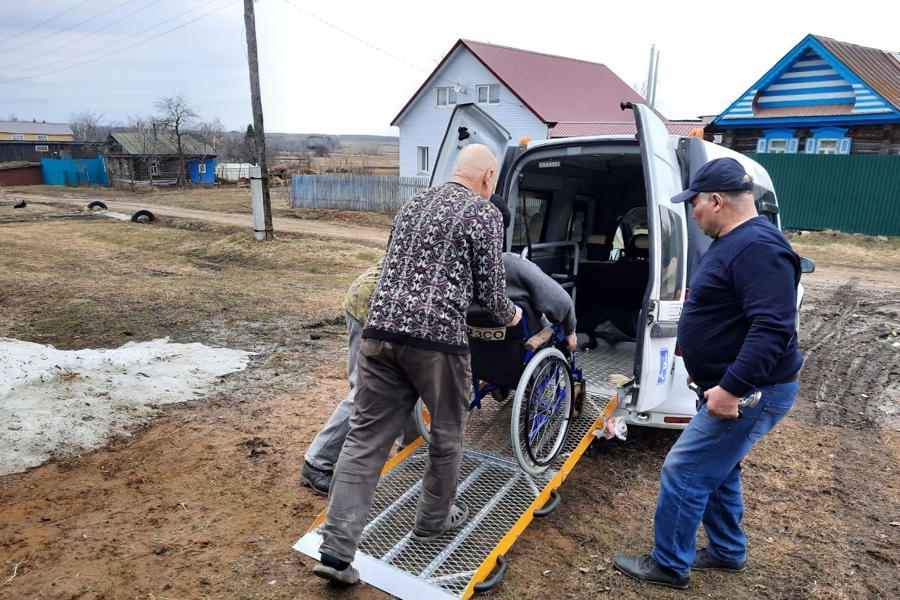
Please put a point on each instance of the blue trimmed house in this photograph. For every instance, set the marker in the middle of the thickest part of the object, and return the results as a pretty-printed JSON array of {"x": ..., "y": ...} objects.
[{"x": 823, "y": 97}]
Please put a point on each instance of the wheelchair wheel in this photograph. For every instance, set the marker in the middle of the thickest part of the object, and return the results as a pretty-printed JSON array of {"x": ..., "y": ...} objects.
[
  {"x": 542, "y": 410},
  {"x": 423, "y": 421}
]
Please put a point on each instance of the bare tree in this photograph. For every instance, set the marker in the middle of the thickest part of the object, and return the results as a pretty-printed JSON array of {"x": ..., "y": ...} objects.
[
  {"x": 176, "y": 114},
  {"x": 147, "y": 142},
  {"x": 89, "y": 127},
  {"x": 211, "y": 133}
]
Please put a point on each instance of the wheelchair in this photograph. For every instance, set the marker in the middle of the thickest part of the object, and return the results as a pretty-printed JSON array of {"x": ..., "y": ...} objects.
[{"x": 549, "y": 387}]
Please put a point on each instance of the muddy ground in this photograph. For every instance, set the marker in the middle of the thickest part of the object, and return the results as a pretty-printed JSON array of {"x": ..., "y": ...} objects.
[{"x": 203, "y": 501}]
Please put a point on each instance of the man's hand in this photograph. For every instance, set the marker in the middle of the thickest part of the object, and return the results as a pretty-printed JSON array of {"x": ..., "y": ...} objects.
[
  {"x": 572, "y": 341},
  {"x": 516, "y": 318},
  {"x": 721, "y": 403}
]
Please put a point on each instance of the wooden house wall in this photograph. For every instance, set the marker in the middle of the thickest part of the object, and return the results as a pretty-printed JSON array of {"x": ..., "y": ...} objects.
[{"x": 867, "y": 139}]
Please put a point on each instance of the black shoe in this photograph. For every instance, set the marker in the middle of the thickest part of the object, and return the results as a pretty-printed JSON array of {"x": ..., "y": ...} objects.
[
  {"x": 317, "y": 480},
  {"x": 644, "y": 568},
  {"x": 704, "y": 561}
]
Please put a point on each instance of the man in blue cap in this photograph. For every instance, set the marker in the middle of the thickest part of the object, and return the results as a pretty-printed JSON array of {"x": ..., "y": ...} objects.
[{"x": 737, "y": 334}]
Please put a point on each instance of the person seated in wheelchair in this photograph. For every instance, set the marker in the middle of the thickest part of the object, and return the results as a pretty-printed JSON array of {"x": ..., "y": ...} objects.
[{"x": 498, "y": 352}]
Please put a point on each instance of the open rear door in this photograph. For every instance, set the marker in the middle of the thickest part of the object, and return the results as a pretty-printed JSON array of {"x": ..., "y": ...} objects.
[
  {"x": 667, "y": 223},
  {"x": 468, "y": 124}
]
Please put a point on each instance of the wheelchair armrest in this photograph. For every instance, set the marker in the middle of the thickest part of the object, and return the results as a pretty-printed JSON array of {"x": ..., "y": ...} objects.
[{"x": 539, "y": 339}]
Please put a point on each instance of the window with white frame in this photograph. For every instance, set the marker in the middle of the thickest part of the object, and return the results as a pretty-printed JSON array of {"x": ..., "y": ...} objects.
[
  {"x": 18, "y": 137},
  {"x": 42, "y": 148},
  {"x": 777, "y": 146},
  {"x": 778, "y": 141},
  {"x": 829, "y": 140},
  {"x": 154, "y": 168},
  {"x": 446, "y": 96},
  {"x": 422, "y": 159},
  {"x": 201, "y": 168},
  {"x": 42, "y": 138},
  {"x": 488, "y": 93}
]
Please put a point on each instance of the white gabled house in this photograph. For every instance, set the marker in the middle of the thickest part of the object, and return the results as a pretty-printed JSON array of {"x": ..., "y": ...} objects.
[{"x": 531, "y": 94}]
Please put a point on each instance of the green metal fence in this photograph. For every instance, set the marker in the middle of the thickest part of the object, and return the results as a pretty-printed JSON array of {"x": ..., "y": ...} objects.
[{"x": 853, "y": 194}]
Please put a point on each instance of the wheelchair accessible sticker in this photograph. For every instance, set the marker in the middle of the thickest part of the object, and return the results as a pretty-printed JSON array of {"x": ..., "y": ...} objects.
[{"x": 663, "y": 365}]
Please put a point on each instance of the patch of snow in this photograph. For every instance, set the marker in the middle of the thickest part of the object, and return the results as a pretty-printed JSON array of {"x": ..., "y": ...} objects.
[{"x": 54, "y": 401}]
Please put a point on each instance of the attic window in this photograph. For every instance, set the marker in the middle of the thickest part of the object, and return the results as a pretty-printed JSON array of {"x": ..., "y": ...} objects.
[
  {"x": 446, "y": 96},
  {"x": 488, "y": 94},
  {"x": 41, "y": 138},
  {"x": 18, "y": 137}
]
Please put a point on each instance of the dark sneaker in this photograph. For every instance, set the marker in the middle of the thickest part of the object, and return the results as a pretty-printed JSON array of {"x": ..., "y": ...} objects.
[
  {"x": 347, "y": 576},
  {"x": 459, "y": 512},
  {"x": 315, "y": 479},
  {"x": 704, "y": 561},
  {"x": 644, "y": 568}
]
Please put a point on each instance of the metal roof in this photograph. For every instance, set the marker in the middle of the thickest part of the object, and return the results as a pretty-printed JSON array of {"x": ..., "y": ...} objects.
[
  {"x": 30, "y": 127},
  {"x": 591, "y": 128},
  {"x": 554, "y": 88},
  {"x": 878, "y": 68},
  {"x": 164, "y": 144}
]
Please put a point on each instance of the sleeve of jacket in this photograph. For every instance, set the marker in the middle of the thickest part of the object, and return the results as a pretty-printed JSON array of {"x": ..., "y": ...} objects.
[
  {"x": 488, "y": 272},
  {"x": 769, "y": 303},
  {"x": 548, "y": 297}
]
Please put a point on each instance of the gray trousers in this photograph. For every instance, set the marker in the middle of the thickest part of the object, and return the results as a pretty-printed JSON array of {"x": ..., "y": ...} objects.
[
  {"x": 325, "y": 448},
  {"x": 392, "y": 377}
]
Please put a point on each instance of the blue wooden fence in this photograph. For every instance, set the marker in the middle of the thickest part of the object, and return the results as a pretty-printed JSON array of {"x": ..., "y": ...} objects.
[
  {"x": 354, "y": 192},
  {"x": 74, "y": 171}
]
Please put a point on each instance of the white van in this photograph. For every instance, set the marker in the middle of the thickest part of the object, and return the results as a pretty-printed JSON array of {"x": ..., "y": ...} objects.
[{"x": 594, "y": 213}]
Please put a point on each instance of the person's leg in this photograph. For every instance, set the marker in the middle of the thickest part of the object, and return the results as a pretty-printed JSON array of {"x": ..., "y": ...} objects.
[
  {"x": 725, "y": 508},
  {"x": 704, "y": 457},
  {"x": 384, "y": 398},
  {"x": 443, "y": 381},
  {"x": 325, "y": 448}
]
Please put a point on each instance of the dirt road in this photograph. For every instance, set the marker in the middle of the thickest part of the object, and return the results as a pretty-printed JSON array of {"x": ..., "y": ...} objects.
[{"x": 281, "y": 225}]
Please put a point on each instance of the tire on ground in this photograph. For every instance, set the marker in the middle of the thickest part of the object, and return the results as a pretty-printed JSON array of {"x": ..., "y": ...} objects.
[
  {"x": 143, "y": 216},
  {"x": 96, "y": 204}
]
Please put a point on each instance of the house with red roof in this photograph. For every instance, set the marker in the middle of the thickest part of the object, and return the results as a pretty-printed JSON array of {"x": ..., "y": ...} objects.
[
  {"x": 531, "y": 94},
  {"x": 823, "y": 97}
]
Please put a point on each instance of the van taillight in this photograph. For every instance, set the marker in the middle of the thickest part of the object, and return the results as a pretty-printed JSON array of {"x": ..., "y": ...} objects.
[{"x": 677, "y": 420}]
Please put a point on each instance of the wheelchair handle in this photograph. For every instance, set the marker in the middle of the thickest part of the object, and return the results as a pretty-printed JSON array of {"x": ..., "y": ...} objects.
[{"x": 538, "y": 339}]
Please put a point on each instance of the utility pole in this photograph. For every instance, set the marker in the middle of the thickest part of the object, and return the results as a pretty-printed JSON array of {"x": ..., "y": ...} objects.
[{"x": 267, "y": 233}]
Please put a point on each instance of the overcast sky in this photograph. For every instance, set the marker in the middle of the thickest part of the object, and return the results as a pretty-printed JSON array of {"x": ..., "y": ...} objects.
[{"x": 349, "y": 66}]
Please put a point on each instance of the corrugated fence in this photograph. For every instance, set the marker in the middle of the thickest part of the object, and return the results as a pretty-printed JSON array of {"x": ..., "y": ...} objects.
[
  {"x": 854, "y": 194},
  {"x": 354, "y": 192},
  {"x": 74, "y": 171}
]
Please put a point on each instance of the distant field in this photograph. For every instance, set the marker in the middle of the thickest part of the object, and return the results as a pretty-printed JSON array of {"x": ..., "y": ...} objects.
[{"x": 364, "y": 157}]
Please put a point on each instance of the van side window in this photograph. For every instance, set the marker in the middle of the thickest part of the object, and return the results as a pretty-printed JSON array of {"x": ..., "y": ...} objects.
[
  {"x": 672, "y": 264},
  {"x": 530, "y": 214}
]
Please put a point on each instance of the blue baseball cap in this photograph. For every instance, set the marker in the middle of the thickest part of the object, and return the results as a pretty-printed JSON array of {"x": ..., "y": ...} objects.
[{"x": 719, "y": 175}]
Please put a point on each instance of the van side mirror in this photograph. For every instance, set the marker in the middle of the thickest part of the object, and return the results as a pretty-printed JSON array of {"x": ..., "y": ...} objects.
[{"x": 807, "y": 265}]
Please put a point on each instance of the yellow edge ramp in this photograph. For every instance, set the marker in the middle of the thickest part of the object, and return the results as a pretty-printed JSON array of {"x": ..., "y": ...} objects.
[
  {"x": 506, "y": 543},
  {"x": 393, "y": 462}
]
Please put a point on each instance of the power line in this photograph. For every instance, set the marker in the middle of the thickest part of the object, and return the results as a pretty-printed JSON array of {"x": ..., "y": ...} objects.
[
  {"x": 350, "y": 35},
  {"x": 106, "y": 45},
  {"x": 44, "y": 23},
  {"x": 129, "y": 15},
  {"x": 67, "y": 28},
  {"x": 127, "y": 47}
]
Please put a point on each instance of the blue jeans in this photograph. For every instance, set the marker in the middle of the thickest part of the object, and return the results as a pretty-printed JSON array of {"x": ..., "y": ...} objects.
[{"x": 701, "y": 481}]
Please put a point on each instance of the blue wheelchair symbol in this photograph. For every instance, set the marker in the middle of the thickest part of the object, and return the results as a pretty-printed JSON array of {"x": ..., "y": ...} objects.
[{"x": 663, "y": 365}]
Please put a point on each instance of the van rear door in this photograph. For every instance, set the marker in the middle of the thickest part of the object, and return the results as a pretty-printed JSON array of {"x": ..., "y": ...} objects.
[
  {"x": 468, "y": 124},
  {"x": 664, "y": 298}
]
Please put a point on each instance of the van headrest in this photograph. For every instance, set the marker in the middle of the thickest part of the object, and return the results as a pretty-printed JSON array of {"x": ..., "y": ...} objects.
[
  {"x": 641, "y": 241},
  {"x": 597, "y": 238}
]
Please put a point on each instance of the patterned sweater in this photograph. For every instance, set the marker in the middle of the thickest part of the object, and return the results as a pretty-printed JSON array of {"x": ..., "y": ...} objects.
[{"x": 444, "y": 253}]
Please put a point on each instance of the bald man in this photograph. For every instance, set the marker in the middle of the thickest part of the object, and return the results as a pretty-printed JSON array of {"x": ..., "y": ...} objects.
[{"x": 445, "y": 251}]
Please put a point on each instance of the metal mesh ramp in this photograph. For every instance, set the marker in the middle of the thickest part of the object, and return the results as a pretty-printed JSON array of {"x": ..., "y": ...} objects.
[{"x": 500, "y": 496}]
